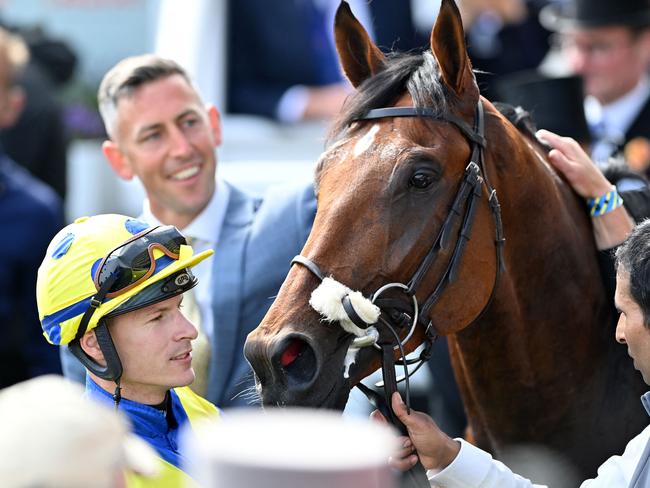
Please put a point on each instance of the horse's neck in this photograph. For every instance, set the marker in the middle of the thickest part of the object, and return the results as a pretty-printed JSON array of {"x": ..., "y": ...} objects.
[
  {"x": 551, "y": 291},
  {"x": 542, "y": 217}
]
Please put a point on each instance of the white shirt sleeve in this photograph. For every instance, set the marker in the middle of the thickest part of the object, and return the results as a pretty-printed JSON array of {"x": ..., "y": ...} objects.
[{"x": 475, "y": 468}]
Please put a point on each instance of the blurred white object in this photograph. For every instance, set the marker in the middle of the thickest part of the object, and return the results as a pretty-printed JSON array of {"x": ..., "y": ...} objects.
[
  {"x": 54, "y": 437},
  {"x": 285, "y": 448},
  {"x": 194, "y": 35}
]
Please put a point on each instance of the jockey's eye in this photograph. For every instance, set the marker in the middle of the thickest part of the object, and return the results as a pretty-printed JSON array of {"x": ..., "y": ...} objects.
[{"x": 422, "y": 179}]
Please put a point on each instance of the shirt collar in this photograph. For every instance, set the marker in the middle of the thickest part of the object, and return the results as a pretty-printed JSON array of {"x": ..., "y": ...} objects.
[
  {"x": 148, "y": 422},
  {"x": 143, "y": 417},
  {"x": 645, "y": 400},
  {"x": 619, "y": 115},
  {"x": 207, "y": 225}
]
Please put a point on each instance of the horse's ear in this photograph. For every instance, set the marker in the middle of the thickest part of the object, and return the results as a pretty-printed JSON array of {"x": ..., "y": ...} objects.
[
  {"x": 448, "y": 45},
  {"x": 360, "y": 58}
]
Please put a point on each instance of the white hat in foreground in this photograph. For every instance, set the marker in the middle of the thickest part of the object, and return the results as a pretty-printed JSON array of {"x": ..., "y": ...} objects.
[{"x": 284, "y": 448}]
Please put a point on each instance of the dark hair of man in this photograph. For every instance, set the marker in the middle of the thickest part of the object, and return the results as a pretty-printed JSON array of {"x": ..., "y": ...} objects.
[{"x": 633, "y": 259}]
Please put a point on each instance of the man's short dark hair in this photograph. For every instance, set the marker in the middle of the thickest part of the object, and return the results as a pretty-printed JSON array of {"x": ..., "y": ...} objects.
[
  {"x": 633, "y": 259},
  {"x": 127, "y": 76}
]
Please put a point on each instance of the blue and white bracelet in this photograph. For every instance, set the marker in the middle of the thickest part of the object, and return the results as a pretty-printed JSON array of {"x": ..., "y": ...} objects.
[{"x": 604, "y": 204}]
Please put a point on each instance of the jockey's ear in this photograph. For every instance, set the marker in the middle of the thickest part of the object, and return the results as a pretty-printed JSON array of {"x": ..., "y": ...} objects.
[
  {"x": 360, "y": 57},
  {"x": 448, "y": 46}
]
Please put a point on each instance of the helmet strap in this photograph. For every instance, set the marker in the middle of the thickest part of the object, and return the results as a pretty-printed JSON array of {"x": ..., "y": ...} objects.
[
  {"x": 113, "y": 369},
  {"x": 95, "y": 302},
  {"x": 117, "y": 394}
]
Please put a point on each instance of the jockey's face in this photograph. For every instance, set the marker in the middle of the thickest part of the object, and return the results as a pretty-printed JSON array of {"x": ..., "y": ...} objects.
[
  {"x": 611, "y": 60},
  {"x": 167, "y": 138},
  {"x": 154, "y": 345},
  {"x": 632, "y": 329}
]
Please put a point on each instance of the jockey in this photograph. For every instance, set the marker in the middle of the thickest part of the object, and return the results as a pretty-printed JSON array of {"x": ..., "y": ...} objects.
[{"x": 111, "y": 288}]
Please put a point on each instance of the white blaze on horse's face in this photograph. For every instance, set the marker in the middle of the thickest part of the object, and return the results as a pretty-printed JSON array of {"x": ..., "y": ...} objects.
[{"x": 366, "y": 141}]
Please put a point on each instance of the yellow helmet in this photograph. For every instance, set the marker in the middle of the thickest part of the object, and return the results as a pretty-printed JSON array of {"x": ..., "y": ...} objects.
[{"x": 100, "y": 263}]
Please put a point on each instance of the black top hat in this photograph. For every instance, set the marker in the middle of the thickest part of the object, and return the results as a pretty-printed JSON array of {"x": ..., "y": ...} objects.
[
  {"x": 555, "y": 104},
  {"x": 564, "y": 14}
]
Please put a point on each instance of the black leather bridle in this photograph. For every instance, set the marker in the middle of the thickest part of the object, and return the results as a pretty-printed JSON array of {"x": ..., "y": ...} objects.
[{"x": 395, "y": 314}]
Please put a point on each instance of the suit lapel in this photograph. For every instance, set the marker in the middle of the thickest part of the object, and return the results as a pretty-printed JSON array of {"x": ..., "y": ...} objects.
[{"x": 227, "y": 275}]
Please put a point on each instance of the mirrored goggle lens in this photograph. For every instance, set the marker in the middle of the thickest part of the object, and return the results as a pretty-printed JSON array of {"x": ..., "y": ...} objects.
[
  {"x": 132, "y": 261},
  {"x": 126, "y": 275}
]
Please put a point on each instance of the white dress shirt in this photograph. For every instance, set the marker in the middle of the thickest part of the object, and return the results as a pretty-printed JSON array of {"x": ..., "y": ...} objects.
[
  {"x": 204, "y": 231},
  {"x": 609, "y": 123}
]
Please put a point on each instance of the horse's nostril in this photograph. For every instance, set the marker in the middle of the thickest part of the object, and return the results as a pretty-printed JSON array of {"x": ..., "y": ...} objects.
[
  {"x": 297, "y": 360},
  {"x": 291, "y": 353}
]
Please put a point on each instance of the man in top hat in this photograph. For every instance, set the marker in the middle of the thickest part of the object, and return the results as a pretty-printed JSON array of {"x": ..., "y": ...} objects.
[{"x": 607, "y": 43}]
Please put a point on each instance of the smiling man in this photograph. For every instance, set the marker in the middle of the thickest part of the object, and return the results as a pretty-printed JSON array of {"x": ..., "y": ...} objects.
[
  {"x": 161, "y": 132},
  {"x": 112, "y": 287}
]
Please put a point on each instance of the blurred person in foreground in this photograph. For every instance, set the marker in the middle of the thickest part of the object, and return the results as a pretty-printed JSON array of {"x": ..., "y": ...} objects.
[
  {"x": 162, "y": 133},
  {"x": 30, "y": 214},
  {"x": 457, "y": 463},
  {"x": 111, "y": 287},
  {"x": 52, "y": 437}
]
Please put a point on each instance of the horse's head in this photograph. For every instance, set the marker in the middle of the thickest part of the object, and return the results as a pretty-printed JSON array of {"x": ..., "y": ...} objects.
[{"x": 398, "y": 199}]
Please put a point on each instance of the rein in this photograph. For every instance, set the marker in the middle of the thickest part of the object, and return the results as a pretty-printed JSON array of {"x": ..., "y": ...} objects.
[{"x": 395, "y": 314}]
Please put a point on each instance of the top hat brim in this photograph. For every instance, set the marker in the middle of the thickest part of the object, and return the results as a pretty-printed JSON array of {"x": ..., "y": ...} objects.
[{"x": 556, "y": 17}]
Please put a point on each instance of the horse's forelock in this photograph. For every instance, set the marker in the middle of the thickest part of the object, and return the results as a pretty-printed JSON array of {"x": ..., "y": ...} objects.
[{"x": 418, "y": 74}]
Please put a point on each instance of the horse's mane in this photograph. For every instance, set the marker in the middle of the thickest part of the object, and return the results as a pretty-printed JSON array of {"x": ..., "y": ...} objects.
[
  {"x": 419, "y": 75},
  {"x": 520, "y": 118},
  {"x": 416, "y": 73}
]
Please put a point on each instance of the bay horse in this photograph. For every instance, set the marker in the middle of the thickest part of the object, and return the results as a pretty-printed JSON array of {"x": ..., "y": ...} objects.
[{"x": 407, "y": 194}]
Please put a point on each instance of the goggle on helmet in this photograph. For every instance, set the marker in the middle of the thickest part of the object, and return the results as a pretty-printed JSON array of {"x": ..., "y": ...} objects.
[{"x": 105, "y": 265}]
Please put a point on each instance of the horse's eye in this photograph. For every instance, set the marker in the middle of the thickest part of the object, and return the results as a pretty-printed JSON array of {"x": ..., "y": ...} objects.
[{"x": 421, "y": 179}]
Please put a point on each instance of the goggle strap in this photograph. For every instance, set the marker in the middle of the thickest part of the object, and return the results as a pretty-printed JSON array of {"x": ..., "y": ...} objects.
[{"x": 95, "y": 303}]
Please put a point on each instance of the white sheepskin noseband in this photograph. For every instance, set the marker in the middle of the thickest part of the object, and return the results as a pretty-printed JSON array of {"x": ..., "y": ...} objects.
[{"x": 326, "y": 300}]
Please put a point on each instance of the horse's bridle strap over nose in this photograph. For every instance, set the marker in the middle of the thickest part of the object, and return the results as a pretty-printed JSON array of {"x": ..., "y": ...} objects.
[{"x": 309, "y": 264}]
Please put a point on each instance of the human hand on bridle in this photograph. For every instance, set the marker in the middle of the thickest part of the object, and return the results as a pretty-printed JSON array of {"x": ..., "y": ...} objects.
[{"x": 425, "y": 441}]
